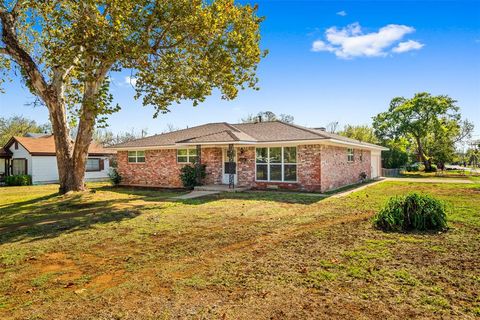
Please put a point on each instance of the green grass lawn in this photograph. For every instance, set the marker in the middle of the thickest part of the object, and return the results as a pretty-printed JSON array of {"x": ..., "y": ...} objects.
[
  {"x": 454, "y": 174},
  {"x": 117, "y": 253}
]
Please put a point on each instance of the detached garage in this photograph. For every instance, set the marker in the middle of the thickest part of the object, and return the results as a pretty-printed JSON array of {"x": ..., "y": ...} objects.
[{"x": 34, "y": 154}]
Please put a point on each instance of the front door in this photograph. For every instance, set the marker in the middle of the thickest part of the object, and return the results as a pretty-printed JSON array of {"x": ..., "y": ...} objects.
[{"x": 227, "y": 168}]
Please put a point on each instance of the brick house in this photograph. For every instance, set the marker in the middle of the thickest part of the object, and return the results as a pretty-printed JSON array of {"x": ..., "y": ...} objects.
[{"x": 256, "y": 155}]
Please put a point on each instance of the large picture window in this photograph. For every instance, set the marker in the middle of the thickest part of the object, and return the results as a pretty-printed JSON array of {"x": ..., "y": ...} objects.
[
  {"x": 136, "y": 156},
  {"x": 186, "y": 155},
  {"x": 276, "y": 164}
]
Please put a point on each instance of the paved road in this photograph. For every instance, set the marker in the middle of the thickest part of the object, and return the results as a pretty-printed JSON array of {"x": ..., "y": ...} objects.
[
  {"x": 457, "y": 167},
  {"x": 430, "y": 180}
]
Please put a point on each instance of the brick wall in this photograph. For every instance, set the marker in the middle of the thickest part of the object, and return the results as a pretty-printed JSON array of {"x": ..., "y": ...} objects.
[
  {"x": 336, "y": 171},
  {"x": 308, "y": 167},
  {"x": 308, "y": 170},
  {"x": 212, "y": 158},
  {"x": 161, "y": 168},
  {"x": 246, "y": 166},
  {"x": 319, "y": 168}
]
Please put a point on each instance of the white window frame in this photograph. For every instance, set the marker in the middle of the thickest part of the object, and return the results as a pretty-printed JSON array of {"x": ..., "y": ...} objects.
[
  {"x": 191, "y": 154},
  {"x": 136, "y": 156},
  {"x": 281, "y": 164},
  {"x": 350, "y": 155}
]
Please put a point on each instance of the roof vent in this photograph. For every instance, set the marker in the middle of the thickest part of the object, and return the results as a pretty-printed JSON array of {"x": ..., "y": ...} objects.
[{"x": 321, "y": 128}]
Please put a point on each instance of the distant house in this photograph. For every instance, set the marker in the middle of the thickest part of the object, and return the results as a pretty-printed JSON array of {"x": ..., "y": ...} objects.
[
  {"x": 34, "y": 154},
  {"x": 264, "y": 155}
]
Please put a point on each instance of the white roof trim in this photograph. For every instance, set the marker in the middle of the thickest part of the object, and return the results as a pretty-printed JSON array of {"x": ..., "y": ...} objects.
[
  {"x": 359, "y": 145},
  {"x": 325, "y": 141}
]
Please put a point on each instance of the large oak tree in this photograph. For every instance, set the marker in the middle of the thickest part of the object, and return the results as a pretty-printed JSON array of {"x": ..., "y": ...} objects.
[
  {"x": 432, "y": 124},
  {"x": 176, "y": 49}
]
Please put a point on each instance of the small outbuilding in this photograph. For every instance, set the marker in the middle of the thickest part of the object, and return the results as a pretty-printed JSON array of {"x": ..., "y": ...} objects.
[{"x": 34, "y": 154}]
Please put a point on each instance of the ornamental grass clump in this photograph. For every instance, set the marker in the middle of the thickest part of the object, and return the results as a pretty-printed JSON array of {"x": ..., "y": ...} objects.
[{"x": 413, "y": 212}]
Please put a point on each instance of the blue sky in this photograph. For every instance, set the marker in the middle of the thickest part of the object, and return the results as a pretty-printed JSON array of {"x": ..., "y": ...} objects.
[{"x": 329, "y": 61}]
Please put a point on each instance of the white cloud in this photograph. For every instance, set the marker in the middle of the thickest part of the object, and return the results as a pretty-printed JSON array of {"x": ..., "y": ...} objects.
[
  {"x": 342, "y": 13},
  {"x": 130, "y": 80},
  {"x": 351, "y": 42},
  {"x": 407, "y": 46}
]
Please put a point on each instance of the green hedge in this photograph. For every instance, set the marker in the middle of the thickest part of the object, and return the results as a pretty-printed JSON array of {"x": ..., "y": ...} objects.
[
  {"x": 412, "y": 212},
  {"x": 18, "y": 180}
]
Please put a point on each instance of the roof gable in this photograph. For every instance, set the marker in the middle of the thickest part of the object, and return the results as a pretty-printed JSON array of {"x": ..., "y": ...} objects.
[
  {"x": 221, "y": 133},
  {"x": 45, "y": 145}
]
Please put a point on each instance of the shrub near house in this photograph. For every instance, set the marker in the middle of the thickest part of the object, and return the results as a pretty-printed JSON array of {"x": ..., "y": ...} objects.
[{"x": 18, "y": 180}]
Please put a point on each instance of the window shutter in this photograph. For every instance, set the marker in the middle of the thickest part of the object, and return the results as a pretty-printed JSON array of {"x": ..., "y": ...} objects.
[{"x": 101, "y": 164}]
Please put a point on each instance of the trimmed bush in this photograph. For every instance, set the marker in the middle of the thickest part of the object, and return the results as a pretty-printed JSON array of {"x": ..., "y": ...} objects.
[
  {"x": 363, "y": 176},
  {"x": 115, "y": 177},
  {"x": 413, "y": 167},
  {"x": 413, "y": 212},
  {"x": 188, "y": 175},
  {"x": 18, "y": 180}
]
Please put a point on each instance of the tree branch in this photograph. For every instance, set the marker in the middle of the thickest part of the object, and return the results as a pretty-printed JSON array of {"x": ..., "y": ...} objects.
[
  {"x": 16, "y": 7},
  {"x": 3, "y": 51},
  {"x": 21, "y": 56}
]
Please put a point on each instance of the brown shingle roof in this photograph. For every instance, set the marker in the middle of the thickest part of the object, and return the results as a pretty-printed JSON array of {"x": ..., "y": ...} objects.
[
  {"x": 260, "y": 132},
  {"x": 45, "y": 145}
]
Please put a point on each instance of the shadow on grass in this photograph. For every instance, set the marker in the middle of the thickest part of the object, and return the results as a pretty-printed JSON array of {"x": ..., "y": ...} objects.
[
  {"x": 42, "y": 220},
  {"x": 156, "y": 194},
  {"x": 51, "y": 215}
]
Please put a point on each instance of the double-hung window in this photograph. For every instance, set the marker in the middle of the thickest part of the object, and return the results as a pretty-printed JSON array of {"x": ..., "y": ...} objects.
[
  {"x": 136, "y": 156},
  {"x": 276, "y": 164},
  {"x": 186, "y": 155},
  {"x": 350, "y": 155}
]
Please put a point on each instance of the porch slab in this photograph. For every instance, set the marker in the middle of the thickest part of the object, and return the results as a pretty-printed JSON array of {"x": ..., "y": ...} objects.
[{"x": 220, "y": 188}]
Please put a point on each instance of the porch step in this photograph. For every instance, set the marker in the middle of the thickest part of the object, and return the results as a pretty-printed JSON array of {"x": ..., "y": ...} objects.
[{"x": 220, "y": 188}]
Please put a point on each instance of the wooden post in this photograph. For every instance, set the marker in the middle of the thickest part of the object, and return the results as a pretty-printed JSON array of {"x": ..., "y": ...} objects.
[{"x": 231, "y": 174}]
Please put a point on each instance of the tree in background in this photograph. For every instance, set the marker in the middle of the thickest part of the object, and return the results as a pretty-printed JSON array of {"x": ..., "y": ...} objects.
[
  {"x": 395, "y": 157},
  {"x": 176, "y": 50},
  {"x": 363, "y": 133},
  {"x": 332, "y": 127},
  {"x": 267, "y": 116},
  {"x": 19, "y": 126},
  {"x": 108, "y": 138},
  {"x": 427, "y": 122}
]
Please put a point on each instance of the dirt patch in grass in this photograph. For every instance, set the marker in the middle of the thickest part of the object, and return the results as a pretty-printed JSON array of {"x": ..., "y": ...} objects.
[{"x": 241, "y": 256}]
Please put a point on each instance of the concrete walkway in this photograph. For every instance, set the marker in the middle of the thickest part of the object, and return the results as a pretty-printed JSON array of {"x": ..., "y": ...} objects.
[
  {"x": 360, "y": 187},
  {"x": 209, "y": 190},
  {"x": 195, "y": 194},
  {"x": 417, "y": 180}
]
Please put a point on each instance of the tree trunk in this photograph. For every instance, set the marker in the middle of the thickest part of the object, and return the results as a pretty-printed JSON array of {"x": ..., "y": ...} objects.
[
  {"x": 68, "y": 170},
  {"x": 426, "y": 161},
  {"x": 71, "y": 158}
]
